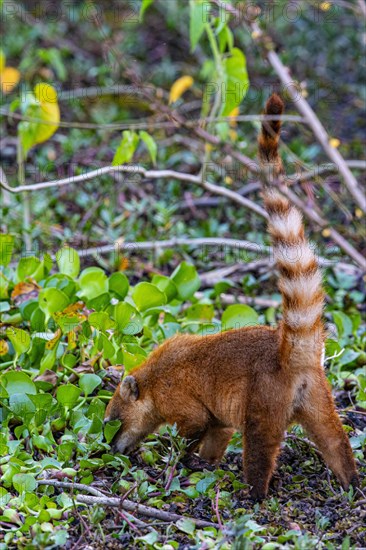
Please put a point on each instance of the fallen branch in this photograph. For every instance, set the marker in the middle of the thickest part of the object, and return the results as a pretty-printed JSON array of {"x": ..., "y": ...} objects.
[
  {"x": 147, "y": 511},
  {"x": 127, "y": 505}
]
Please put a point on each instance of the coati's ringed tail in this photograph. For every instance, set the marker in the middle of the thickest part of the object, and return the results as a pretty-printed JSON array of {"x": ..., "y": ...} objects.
[{"x": 300, "y": 279}]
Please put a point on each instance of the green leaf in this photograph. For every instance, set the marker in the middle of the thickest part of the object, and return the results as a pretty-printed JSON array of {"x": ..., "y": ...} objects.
[
  {"x": 200, "y": 312},
  {"x": 68, "y": 395},
  {"x": 68, "y": 261},
  {"x": 205, "y": 483},
  {"x": 6, "y": 248},
  {"x": 128, "y": 319},
  {"x": 52, "y": 300},
  {"x": 110, "y": 429},
  {"x": 100, "y": 320},
  {"x": 19, "y": 338},
  {"x": 186, "y": 280},
  {"x": 4, "y": 286},
  {"x": 198, "y": 11},
  {"x": 48, "y": 360},
  {"x": 118, "y": 283},
  {"x": 147, "y": 295},
  {"x": 150, "y": 144},
  {"x": 88, "y": 383},
  {"x": 186, "y": 525},
  {"x": 344, "y": 324},
  {"x": 144, "y": 5},
  {"x": 27, "y": 267},
  {"x": 236, "y": 81},
  {"x": 24, "y": 483},
  {"x": 239, "y": 316},
  {"x": 166, "y": 285},
  {"x": 18, "y": 382},
  {"x": 22, "y": 407},
  {"x": 126, "y": 148},
  {"x": 93, "y": 282}
]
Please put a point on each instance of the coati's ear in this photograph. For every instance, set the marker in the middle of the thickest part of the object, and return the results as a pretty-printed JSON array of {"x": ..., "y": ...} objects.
[{"x": 129, "y": 388}]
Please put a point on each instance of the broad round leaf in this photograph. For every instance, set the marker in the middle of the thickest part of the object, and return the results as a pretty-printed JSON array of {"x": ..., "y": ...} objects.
[
  {"x": 100, "y": 320},
  {"x": 110, "y": 429},
  {"x": 128, "y": 319},
  {"x": 19, "y": 338},
  {"x": 68, "y": 395},
  {"x": 18, "y": 382},
  {"x": 52, "y": 300},
  {"x": 186, "y": 280},
  {"x": 166, "y": 285},
  {"x": 88, "y": 383},
  {"x": 118, "y": 283},
  {"x": 6, "y": 248},
  {"x": 147, "y": 295},
  {"x": 93, "y": 282},
  {"x": 239, "y": 316},
  {"x": 24, "y": 483},
  {"x": 68, "y": 261}
]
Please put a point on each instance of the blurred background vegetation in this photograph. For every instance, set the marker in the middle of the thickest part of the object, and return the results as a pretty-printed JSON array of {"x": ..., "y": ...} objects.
[{"x": 120, "y": 69}]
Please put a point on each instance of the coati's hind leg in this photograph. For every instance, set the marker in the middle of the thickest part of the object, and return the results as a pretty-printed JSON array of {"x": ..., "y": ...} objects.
[
  {"x": 319, "y": 418},
  {"x": 214, "y": 443},
  {"x": 261, "y": 444}
]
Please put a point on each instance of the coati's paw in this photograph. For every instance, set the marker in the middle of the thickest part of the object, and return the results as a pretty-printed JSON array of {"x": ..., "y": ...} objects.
[
  {"x": 355, "y": 481},
  {"x": 196, "y": 464},
  {"x": 257, "y": 494}
]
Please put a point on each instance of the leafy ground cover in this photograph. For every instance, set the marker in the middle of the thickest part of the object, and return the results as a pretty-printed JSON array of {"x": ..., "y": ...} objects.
[
  {"x": 66, "y": 335},
  {"x": 74, "y": 320}
]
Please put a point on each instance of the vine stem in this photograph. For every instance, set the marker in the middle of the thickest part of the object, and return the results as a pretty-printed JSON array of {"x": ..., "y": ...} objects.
[{"x": 26, "y": 199}]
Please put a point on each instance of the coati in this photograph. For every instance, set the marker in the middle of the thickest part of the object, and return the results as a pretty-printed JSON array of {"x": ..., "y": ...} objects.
[{"x": 257, "y": 380}]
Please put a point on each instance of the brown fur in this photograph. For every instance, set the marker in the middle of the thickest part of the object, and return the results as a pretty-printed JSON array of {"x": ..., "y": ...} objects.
[{"x": 257, "y": 380}]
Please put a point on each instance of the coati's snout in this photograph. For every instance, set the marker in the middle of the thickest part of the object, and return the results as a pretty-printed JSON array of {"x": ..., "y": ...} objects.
[{"x": 135, "y": 411}]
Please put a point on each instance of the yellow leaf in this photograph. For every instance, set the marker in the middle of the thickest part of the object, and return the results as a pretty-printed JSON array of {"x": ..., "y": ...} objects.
[
  {"x": 51, "y": 343},
  {"x": 325, "y": 6},
  {"x": 228, "y": 180},
  {"x": 24, "y": 288},
  {"x": 9, "y": 78},
  {"x": 179, "y": 87},
  {"x": 234, "y": 113},
  {"x": 334, "y": 142},
  {"x": 45, "y": 110},
  {"x": 233, "y": 135},
  {"x": 123, "y": 264},
  {"x": 2, "y": 61},
  {"x": 4, "y": 348},
  {"x": 358, "y": 213},
  {"x": 326, "y": 232}
]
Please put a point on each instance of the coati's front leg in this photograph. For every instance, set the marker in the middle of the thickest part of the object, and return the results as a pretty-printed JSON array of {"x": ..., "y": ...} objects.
[
  {"x": 319, "y": 418},
  {"x": 261, "y": 444},
  {"x": 214, "y": 443}
]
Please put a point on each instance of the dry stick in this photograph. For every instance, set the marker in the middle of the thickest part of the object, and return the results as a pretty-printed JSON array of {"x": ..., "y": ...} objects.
[
  {"x": 141, "y": 123},
  {"x": 147, "y": 511},
  {"x": 120, "y": 245},
  {"x": 127, "y": 505}
]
